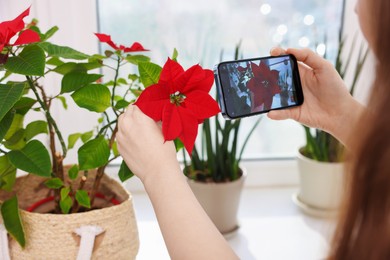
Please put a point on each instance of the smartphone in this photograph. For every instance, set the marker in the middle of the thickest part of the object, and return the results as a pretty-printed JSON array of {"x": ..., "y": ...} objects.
[{"x": 254, "y": 86}]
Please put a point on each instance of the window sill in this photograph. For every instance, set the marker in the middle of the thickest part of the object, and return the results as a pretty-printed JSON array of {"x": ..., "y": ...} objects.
[
  {"x": 260, "y": 173},
  {"x": 271, "y": 225}
]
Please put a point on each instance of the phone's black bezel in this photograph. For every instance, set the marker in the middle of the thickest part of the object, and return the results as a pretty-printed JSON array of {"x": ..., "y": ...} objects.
[{"x": 221, "y": 91}]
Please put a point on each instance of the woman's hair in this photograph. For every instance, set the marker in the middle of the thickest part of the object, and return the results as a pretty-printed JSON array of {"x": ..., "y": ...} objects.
[{"x": 363, "y": 231}]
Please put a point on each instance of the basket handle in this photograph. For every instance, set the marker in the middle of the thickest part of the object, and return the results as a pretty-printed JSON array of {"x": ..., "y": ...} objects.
[
  {"x": 87, "y": 239},
  {"x": 4, "y": 250}
]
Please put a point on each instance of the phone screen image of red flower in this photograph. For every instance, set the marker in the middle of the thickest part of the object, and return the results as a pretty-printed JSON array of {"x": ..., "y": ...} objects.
[{"x": 259, "y": 85}]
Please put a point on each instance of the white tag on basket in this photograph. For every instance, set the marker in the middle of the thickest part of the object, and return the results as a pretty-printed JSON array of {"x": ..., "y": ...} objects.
[
  {"x": 87, "y": 239},
  {"x": 4, "y": 250}
]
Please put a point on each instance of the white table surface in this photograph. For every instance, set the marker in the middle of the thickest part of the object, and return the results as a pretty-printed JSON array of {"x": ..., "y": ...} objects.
[{"x": 271, "y": 227}]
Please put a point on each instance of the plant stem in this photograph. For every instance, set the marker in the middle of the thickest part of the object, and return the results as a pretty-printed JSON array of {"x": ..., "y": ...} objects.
[
  {"x": 115, "y": 84},
  {"x": 107, "y": 126},
  {"x": 48, "y": 115},
  {"x": 100, "y": 170},
  {"x": 83, "y": 180}
]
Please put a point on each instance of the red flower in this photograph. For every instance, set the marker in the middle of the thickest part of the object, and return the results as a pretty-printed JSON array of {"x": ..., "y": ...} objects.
[
  {"x": 9, "y": 29},
  {"x": 264, "y": 84},
  {"x": 136, "y": 46},
  {"x": 181, "y": 101}
]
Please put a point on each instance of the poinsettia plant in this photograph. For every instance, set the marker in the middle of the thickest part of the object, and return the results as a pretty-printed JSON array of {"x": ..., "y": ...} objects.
[{"x": 169, "y": 94}]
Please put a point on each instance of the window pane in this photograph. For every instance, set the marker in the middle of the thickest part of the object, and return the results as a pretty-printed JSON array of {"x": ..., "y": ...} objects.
[{"x": 205, "y": 32}]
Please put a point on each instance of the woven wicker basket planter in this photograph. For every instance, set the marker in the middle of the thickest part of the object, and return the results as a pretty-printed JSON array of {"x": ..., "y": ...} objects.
[{"x": 52, "y": 236}]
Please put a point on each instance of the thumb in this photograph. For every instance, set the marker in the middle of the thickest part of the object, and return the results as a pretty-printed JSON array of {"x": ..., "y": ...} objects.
[{"x": 279, "y": 114}]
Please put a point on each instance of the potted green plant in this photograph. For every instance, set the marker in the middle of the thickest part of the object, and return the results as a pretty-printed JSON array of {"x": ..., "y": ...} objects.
[
  {"x": 320, "y": 161},
  {"x": 65, "y": 206},
  {"x": 214, "y": 172}
]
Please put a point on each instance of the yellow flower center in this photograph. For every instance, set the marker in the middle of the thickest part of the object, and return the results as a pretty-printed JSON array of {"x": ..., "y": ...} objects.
[{"x": 177, "y": 98}]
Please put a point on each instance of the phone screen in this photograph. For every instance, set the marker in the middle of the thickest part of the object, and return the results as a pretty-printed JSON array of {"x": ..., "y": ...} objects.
[{"x": 253, "y": 86}]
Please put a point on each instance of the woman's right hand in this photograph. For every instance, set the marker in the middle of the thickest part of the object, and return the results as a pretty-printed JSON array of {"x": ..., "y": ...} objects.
[{"x": 327, "y": 104}]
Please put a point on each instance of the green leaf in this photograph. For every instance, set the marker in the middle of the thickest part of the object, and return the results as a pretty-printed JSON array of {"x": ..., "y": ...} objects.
[
  {"x": 62, "y": 51},
  {"x": 12, "y": 221},
  {"x": 121, "y": 81},
  {"x": 49, "y": 33},
  {"x": 17, "y": 123},
  {"x": 175, "y": 54},
  {"x": 115, "y": 149},
  {"x": 33, "y": 158},
  {"x": 5, "y": 124},
  {"x": 31, "y": 62},
  {"x": 94, "y": 97},
  {"x": 73, "y": 172},
  {"x": 83, "y": 198},
  {"x": 54, "y": 183},
  {"x": 23, "y": 105},
  {"x": 69, "y": 67},
  {"x": 35, "y": 128},
  {"x": 55, "y": 61},
  {"x": 108, "y": 53},
  {"x": 9, "y": 95},
  {"x": 124, "y": 172},
  {"x": 133, "y": 77},
  {"x": 93, "y": 154},
  {"x": 136, "y": 59},
  {"x": 86, "y": 136},
  {"x": 63, "y": 101},
  {"x": 65, "y": 201},
  {"x": 7, "y": 174},
  {"x": 178, "y": 144},
  {"x": 74, "y": 80},
  {"x": 16, "y": 141},
  {"x": 121, "y": 104},
  {"x": 72, "y": 139},
  {"x": 149, "y": 73}
]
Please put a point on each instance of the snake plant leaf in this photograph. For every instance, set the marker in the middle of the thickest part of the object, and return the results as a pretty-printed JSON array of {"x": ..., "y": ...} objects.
[
  {"x": 94, "y": 97},
  {"x": 9, "y": 95},
  {"x": 149, "y": 73},
  {"x": 74, "y": 80},
  {"x": 33, "y": 158},
  {"x": 30, "y": 62},
  {"x": 93, "y": 154},
  {"x": 124, "y": 172},
  {"x": 12, "y": 221}
]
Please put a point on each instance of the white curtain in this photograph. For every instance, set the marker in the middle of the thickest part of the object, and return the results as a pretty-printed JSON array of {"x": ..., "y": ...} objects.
[{"x": 77, "y": 21}]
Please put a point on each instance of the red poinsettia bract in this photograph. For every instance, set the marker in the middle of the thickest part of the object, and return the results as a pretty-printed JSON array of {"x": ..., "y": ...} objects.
[
  {"x": 181, "y": 101},
  {"x": 263, "y": 84},
  {"x": 9, "y": 29},
  {"x": 136, "y": 46}
]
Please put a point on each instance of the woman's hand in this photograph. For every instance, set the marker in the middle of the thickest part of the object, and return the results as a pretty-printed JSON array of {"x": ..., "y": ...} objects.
[
  {"x": 327, "y": 104},
  {"x": 142, "y": 146}
]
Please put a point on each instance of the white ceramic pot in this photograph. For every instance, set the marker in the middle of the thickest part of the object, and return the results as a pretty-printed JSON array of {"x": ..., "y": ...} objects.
[
  {"x": 321, "y": 184},
  {"x": 220, "y": 201}
]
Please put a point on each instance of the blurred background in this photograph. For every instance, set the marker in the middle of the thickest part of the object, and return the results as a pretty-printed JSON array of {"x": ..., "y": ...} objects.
[{"x": 203, "y": 32}]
